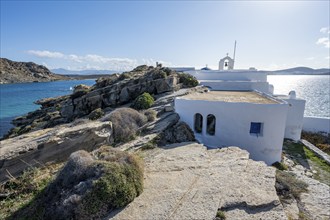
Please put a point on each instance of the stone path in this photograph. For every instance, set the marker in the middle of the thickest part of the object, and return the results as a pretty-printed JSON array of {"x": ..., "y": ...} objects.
[{"x": 190, "y": 182}]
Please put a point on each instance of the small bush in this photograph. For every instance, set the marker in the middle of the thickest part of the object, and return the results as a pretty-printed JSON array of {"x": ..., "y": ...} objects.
[
  {"x": 188, "y": 80},
  {"x": 143, "y": 101},
  {"x": 125, "y": 123},
  {"x": 148, "y": 146},
  {"x": 220, "y": 215},
  {"x": 80, "y": 90},
  {"x": 96, "y": 114},
  {"x": 120, "y": 183},
  {"x": 150, "y": 114},
  {"x": 280, "y": 166},
  {"x": 125, "y": 75}
]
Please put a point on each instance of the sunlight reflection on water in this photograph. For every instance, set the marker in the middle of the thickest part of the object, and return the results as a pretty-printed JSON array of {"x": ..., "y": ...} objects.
[{"x": 314, "y": 89}]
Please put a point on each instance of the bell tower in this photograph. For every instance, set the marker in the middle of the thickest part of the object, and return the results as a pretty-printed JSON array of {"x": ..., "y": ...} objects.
[{"x": 227, "y": 63}]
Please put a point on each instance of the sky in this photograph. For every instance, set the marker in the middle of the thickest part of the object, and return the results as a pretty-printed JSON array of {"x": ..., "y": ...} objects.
[{"x": 119, "y": 35}]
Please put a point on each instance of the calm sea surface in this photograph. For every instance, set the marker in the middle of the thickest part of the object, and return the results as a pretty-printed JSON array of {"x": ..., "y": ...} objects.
[
  {"x": 314, "y": 89},
  {"x": 17, "y": 99}
]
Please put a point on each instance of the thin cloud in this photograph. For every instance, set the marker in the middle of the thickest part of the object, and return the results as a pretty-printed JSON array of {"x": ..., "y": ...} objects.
[
  {"x": 325, "y": 30},
  {"x": 324, "y": 41},
  {"x": 92, "y": 61},
  {"x": 45, "y": 53},
  {"x": 310, "y": 58}
]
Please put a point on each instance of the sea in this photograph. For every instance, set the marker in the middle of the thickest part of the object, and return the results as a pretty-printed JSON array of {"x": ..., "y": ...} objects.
[
  {"x": 315, "y": 89},
  {"x": 18, "y": 99}
]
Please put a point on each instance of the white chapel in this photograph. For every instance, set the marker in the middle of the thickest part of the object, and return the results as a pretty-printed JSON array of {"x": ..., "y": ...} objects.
[{"x": 241, "y": 110}]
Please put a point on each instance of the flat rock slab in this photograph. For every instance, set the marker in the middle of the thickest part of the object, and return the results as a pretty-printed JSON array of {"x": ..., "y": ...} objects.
[
  {"x": 188, "y": 181},
  {"x": 316, "y": 202},
  {"x": 49, "y": 145}
]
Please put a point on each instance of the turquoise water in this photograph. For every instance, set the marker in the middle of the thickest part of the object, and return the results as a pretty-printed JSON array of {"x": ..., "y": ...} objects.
[{"x": 17, "y": 99}]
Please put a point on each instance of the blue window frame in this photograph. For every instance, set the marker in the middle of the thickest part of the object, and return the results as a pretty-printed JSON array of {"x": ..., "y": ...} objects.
[{"x": 256, "y": 128}]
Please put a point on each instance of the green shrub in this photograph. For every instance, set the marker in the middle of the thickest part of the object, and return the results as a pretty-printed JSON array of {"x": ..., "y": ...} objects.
[
  {"x": 125, "y": 75},
  {"x": 125, "y": 123},
  {"x": 143, "y": 101},
  {"x": 80, "y": 90},
  {"x": 120, "y": 182},
  {"x": 148, "y": 146},
  {"x": 187, "y": 80},
  {"x": 96, "y": 114},
  {"x": 280, "y": 165},
  {"x": 220, "y": 215},
  {"x": 150, "y": 114}
]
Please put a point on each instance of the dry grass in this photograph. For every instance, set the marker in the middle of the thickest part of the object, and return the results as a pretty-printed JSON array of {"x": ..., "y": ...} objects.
[
  {"x": 320, "y": 140},
  {"x": 20, "y": 191},
  {"x": 287, "y": 185}
]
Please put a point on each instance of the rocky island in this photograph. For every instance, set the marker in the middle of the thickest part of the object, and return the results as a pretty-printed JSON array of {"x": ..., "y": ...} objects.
[
  {"x": 118, "y": 150},
  {"x": 19, "y": 72}
]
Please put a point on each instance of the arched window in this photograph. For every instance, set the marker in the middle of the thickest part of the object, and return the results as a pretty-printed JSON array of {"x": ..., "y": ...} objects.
[
  {"x": 210, "y": 129},
  {"x": 198, "y": 123}
]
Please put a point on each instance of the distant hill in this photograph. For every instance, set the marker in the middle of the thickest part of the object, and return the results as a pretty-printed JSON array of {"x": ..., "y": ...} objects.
[
  {"x": 300, "y": 71},
  {"x": 93, "y": 73},
  {"x": 18, "y": 72},
  {"x": 83, "y": 72}
]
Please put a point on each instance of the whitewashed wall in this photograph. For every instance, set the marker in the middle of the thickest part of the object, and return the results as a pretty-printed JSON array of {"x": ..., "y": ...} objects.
[
  {"x": 232, "y": 75},
  {"x": 237, "y": 85},
  {"x": 294, "y": 122},
  {"x": 233, "y": 125},
  {"x": 316, "y": 124}
]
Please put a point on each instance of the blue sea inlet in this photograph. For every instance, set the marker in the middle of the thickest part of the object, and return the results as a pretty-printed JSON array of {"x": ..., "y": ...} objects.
[{"x": 17, "y": 99}]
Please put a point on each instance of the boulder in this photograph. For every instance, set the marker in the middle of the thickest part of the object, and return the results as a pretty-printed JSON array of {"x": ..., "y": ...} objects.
[{"x": 179, "y": 132}]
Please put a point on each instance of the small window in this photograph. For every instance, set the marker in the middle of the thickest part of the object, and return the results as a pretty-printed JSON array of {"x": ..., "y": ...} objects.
[
  {"x": 210, "y": 124},
  {"x": 256, "y": 128},
  {"x": 198, "y": 123}
]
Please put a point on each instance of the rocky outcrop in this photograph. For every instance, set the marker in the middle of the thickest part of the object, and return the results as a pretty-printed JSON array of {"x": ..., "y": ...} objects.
[
  {"x": 18, "y": 72},
  {"x": 188, "y": 181},
  {"x": 107, "y": 93},
  {"x": 51, "y": 145}
]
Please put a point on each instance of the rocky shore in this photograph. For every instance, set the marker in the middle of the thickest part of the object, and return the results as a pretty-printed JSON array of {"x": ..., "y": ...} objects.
[
  {"x": 107, "y": 94},
  {"x": 19, "y": 72}
]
